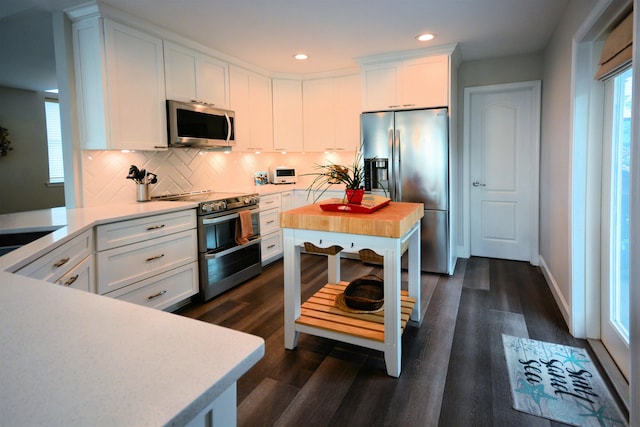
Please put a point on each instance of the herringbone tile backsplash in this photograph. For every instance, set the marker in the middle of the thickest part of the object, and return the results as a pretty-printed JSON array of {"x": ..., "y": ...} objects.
[{"x": 181, "y": 170}]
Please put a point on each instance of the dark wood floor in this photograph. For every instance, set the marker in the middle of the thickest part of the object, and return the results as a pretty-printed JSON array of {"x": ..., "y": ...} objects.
[{"x": 452, "y": 365}]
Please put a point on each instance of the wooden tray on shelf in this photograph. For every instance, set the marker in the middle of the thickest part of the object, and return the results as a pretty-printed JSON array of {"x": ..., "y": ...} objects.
[{"x": 370, "y": 204}]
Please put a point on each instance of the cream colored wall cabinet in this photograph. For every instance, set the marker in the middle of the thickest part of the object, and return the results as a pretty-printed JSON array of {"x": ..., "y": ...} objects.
[
  {"x": 271, "y": 245},
  {"x": 194, "y": 76},
  {"x": 412, "y": 83},
  {"x": 120, "y": 86},
  {"x": 251, "y": 99},
  {"x": 69, "y": 264},
  {"x": 331, "y": 109},
  {"x": 150, "y": 261},
  {"x": 287, "y": 115}
]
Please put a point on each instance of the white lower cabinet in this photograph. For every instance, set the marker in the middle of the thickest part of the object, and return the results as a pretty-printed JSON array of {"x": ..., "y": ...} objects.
[
  {"x": 271, "y": 245},
  {"x": 151, "y": 261},
  {"x": 163, "y": 290},
  {"x": 64, "y": 262},
  {"x": 81, "y": 277}
]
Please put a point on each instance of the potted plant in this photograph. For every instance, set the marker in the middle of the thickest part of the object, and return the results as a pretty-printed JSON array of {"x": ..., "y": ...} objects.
[
  {"x": 351, "y": 176},
  {"x": 4, "y": 142}
]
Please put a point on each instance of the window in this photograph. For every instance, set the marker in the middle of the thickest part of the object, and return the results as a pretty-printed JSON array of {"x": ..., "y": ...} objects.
[
  {"x": 619, "y": 203},
  {"x": 54, "y": 141}
]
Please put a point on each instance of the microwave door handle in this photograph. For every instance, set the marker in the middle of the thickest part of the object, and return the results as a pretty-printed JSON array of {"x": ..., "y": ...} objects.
[{"x": 228, "y": 127}]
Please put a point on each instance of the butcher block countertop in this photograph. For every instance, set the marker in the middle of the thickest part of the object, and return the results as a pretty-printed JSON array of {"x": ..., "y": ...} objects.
[{"x": 393, "y": 220}]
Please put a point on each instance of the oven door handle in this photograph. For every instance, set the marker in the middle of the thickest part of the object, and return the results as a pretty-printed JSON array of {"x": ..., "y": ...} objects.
[
  {"x": 224, "y": 218},
  {"x": 255, "y": 241}
]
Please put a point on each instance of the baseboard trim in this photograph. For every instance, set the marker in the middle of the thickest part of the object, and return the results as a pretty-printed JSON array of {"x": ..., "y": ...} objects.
[
  {"x": 557, "y": 294},
  {"x": 618, "y": 380}
]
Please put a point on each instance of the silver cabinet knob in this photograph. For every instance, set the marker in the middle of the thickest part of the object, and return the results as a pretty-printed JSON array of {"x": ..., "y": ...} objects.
[{"x": 477, "y": 184}]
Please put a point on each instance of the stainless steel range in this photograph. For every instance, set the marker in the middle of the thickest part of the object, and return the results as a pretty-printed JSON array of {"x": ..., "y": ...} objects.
[{"x": 228, "y": 247}]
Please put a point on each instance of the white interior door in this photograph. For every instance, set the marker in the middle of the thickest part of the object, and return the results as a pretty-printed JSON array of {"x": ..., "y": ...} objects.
[{"x": 502, "y": 139}]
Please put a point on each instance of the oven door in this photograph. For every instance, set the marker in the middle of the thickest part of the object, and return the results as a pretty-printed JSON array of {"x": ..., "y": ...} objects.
[
  {"x": 218, "y": 233},
  {"x": 223, "y": 263}
]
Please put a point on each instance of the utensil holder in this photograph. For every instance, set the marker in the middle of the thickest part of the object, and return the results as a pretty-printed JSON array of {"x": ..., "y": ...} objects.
[{"x": 143, "y": 192}]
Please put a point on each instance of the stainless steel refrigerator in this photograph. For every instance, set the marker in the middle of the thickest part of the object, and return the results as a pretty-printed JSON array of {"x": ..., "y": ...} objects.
[{"x": 407, "y": 153}]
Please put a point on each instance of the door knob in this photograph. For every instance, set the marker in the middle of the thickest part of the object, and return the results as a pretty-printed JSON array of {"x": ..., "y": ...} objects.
[{"x": 477, "y": 184}]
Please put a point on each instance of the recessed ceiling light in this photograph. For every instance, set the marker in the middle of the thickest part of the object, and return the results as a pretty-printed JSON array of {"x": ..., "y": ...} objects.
[
  {"x": 300, "y": 56},
  {"x": 425, "y": 37}
]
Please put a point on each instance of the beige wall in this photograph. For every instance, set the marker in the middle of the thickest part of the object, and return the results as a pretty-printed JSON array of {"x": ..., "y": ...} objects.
[
  {"x": 24, "y": 171},
  {"x": 555, "y": 151}
]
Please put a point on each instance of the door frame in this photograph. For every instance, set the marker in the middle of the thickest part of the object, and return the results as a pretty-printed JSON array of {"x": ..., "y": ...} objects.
[{"x": 534, "y": 191}]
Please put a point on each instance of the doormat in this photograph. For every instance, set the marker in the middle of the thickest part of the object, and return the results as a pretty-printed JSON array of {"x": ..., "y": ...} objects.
[{"x": 559, "y": 383}]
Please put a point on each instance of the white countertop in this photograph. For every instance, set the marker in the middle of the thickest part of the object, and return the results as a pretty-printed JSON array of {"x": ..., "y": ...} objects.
[
  {"x": 74, "y": 358},
  {"x": 68, "y": 223}
]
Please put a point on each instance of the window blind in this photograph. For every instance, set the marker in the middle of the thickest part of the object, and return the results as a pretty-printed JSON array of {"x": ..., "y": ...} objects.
[{"x": 617, "y": 50}]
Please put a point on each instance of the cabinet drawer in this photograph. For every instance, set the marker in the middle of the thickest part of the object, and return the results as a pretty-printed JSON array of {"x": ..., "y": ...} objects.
[
  {"x": 121, "y": 266},
  {"x": 269, "y": 221},
  {"x": 81, "y": 277},
  {"x": 60, "y": 260},
  {"x": 163, "y": 290},
  {"x": 270, "y": 201},
  {"x": 271, "y": 245},
  {"x": 121, "y": 233}
]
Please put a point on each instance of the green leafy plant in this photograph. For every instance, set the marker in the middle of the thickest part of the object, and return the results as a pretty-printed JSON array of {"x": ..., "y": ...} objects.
[
  {"x": 4, "y": 142},
  {"x": 328, "y": 174}
]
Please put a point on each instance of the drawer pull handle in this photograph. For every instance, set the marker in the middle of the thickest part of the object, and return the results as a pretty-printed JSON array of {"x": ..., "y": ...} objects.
[
  {"x": 71, "y": 280},
  {"x": 61, "y": 262},
  {"x": 271, "y": 222},
  {"x": 155, "y": 227},
  {"x": 154, "y": 257},
  {"x": 154, "y": 296}
]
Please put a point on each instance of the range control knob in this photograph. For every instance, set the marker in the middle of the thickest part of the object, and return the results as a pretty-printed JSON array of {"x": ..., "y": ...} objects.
[{"x": 206, "y": 207}]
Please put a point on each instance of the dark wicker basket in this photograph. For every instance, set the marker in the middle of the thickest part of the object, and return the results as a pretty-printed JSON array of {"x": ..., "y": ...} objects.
[{"x": 365, "y": 293}]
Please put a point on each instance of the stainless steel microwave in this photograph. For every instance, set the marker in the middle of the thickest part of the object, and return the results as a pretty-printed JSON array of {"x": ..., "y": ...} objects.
[{"x": 192, "y": 124}]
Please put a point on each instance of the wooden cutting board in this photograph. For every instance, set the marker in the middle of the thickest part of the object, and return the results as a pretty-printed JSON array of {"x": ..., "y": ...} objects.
[{"x": 393, "y": 220}]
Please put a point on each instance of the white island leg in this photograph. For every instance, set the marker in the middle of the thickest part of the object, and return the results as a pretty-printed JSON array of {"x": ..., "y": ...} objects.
[
  {"x": 291, "y": 289},
  {"x": 392, "y": 329}
]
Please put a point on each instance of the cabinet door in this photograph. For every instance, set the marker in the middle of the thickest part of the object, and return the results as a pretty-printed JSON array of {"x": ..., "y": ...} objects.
[
  {"x": 381, "y": 86},
  {"x": 180, "y": 72},
  {"x": 318, "y": 105},
  {"x": 212, "y": 80},
  {"x": 288, "y": 200},
  {"x": 287, "y": 115},
  {"x": 261, "y": 112},
  {"x": 425, "y": 82},
  {"x": 239, "y": 103},
  {"x": 135, "y": 82},
  {"x": 347, "y": 112},
  {"x": 250, "y": 98}
]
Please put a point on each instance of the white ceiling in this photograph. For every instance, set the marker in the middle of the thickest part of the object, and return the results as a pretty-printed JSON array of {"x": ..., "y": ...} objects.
[{"x": 332, "y": 32}]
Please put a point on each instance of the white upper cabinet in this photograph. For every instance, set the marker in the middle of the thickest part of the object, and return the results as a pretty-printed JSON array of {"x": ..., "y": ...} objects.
[
  {"x": 193, "y": 76},
  {"x": 347, "y": 112},
  {"x": 250, "y": 98},
  {"x": 331, "y": 109},
  {"x": 287, "y": 115},
  {"x": 120, "y": 86},
  {"x": 412, "y": 83}
]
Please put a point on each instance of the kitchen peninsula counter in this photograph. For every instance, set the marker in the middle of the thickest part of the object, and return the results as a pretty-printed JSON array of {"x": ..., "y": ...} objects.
[
  {"x": 386, "y": 232},
  {"x": 76, "y": 358}
]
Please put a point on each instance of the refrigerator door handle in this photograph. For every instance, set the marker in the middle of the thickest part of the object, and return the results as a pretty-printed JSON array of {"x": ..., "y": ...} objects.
[
  {"x": 396, "y": 167},
  {"x": 392, "y": 166}
]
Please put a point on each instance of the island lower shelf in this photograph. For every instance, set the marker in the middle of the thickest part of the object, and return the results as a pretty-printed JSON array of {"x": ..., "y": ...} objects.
[{"x": 320, "y": 311}]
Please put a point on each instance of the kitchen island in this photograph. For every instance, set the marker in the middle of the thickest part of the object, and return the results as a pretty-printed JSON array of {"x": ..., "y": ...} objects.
[{"x": 385, "y": 232}]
